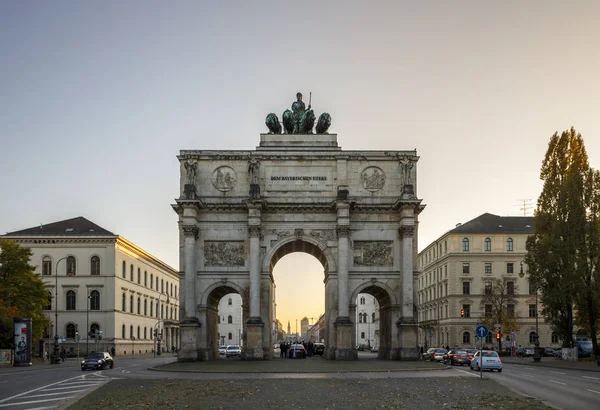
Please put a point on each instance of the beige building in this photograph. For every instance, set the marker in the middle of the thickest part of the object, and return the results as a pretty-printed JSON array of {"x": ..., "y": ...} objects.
[
  {"x": 454, "y": 272},
  {"x": 102, "y": 283}
]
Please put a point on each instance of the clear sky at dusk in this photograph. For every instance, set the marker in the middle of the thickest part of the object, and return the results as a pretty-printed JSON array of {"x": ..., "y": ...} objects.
[{"x": 97, "y": 99}]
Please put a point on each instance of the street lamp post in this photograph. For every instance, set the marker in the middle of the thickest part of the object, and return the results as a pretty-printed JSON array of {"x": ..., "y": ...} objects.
[
  {"x": 537, "y": 356},
  {"x": 87, "y": 330},
  {"x": 55, "y": 357}
]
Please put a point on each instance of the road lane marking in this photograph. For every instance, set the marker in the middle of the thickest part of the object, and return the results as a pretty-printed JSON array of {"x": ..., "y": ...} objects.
[
  {"x": 594, "y": 391},
  {"x": 63, "y": 388},
  {"x": 554, "y": 381},
  {"x": 590, "y": 377},
  {"x": 557, "y": 372},
  {"x": 528, "y": 375},
  {"x": 467, "y": 373},
  {"x": 32, "y": 401}
]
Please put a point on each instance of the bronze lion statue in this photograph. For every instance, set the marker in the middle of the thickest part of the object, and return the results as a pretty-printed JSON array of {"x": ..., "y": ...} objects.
[
  {"x": 272, "y": 123},
  {"x": 324, "y": 123}
]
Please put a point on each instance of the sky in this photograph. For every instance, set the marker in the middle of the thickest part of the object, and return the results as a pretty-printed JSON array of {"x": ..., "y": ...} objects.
[{"x": 97, "y": 99}]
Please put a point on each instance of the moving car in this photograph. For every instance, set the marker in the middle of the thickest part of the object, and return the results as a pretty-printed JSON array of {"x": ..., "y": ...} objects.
[
  {"x": 97, "y": 361},
  {"x": 222, "y": 349},
  {"x": 296, "y": 351},
  {"x": 456, "y": 357},
  {"x": 491, "y": 361},
  {"x": 318, "y": 349},
  {"x": 437, "y": 354},
  {"x": 233, "y": 350}
]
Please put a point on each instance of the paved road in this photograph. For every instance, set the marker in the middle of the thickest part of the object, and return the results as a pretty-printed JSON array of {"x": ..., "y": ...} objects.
[{"x": 565, "y": 388}]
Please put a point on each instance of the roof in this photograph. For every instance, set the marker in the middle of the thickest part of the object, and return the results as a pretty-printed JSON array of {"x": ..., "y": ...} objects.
[
  {"x": 75, "y": 226},
  {"x": 490, "y": 224}
]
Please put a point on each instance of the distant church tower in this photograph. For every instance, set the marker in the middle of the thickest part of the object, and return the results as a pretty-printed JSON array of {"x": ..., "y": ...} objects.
[{"x": 288, "y": 327}]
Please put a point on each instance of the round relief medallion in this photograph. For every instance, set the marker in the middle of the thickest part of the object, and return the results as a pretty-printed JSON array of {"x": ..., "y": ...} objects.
[
  {"x": 224, "y": 178},
  {"x": 372, "y": 178}
]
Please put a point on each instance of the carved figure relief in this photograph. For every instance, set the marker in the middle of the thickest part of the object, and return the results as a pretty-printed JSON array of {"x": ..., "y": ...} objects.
[
  {"x": 228, "y": 254},
  {"x": 372, "y": 178},
  {"x": 224, "y": 178},
  {"x": 323, "y": 235},
  {"x": 190, "y": 168},
  {"x": 373, "y": 253}
]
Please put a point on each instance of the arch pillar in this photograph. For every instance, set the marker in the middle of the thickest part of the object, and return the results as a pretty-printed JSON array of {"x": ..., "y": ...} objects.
[{"x": 255, "y": 325}]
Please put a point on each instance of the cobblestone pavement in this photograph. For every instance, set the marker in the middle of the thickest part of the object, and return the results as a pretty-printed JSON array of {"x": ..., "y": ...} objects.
[{"x": 408, "y": 393}]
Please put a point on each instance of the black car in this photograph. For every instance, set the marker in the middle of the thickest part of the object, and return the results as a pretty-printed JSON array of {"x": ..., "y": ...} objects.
[
  {"x": 318, "y": 349},
  {"x": 457, "y": 357},
  {"x": 98, "y": 361}
]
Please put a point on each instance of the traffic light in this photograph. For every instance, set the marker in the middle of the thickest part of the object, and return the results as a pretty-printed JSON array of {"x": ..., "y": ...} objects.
[
  {"x": 462, "y": 313},
  {"x": 498, "y": 336},
  {"x": 155, "y": 332}
]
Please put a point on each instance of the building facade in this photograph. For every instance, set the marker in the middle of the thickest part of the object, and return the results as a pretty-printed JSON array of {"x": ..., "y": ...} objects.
[
  {"x": 456, "y": 279},
  {"x": 106, "y": 291},
  {"x": 367, "y": 321},
  {"x": 230, "y": 320}
]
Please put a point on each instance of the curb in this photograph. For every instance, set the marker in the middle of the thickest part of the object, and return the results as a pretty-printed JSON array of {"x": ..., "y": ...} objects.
[{"x": 154, "y": 369}]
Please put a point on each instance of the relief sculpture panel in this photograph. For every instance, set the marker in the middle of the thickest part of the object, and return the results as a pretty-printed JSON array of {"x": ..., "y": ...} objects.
[
  {"x": 227, "y": 254},
  {"x": 373, "y": 253}
]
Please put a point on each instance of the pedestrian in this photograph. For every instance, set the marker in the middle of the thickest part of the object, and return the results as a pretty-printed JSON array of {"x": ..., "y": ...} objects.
[
  {"x": 63, "y": 354},
  {"x": 173, "y": 349},
  {"x": 112, "y": 351}
]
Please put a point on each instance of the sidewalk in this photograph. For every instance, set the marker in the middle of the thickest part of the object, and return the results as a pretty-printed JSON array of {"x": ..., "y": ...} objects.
[{"x": 588, "y": 366}]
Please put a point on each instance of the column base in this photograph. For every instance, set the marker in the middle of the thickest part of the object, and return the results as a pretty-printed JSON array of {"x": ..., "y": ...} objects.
[
  {"x": 253, "y": 349},
  {"x": 345, "y": 349},
  {"x": 408, "y": 340},
  {"x": 190, "y": 339}
]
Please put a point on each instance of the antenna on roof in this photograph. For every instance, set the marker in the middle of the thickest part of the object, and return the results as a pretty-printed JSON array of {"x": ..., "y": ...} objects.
[{"x": 525, "y": 206}]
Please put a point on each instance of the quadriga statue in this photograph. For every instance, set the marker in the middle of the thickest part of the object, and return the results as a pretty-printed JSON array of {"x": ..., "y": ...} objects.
[{"x": 299, "y": 120}]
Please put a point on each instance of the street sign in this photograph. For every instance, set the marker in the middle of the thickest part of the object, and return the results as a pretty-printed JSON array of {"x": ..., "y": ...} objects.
[{"x": 481, "y": 331}]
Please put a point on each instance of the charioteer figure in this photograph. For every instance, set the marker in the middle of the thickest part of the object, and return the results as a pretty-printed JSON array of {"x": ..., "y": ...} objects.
[{"x": 299, "y": 120}]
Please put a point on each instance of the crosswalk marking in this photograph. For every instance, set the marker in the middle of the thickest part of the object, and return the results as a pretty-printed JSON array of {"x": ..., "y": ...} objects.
[
  {"x": 32, "y": 401},
  {"x": 56, "y": 394}
]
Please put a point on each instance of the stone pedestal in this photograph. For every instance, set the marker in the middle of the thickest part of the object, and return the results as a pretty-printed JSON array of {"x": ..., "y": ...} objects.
[
  {"x": 190, "y": 336},
  {"x": 345, "y": 349},
  {"x": 253, "y": 349},
  {"x": 408, "y": 341}
]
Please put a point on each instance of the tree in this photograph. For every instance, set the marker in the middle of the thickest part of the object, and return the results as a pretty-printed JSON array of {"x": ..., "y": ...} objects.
[
  {"x": 497, "y": 296},
  {"x": 22, "y": 292},
  {"x": 563, "y": 253}
]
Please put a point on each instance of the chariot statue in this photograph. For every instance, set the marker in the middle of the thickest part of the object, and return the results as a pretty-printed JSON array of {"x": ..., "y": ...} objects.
[{"x": 299, "y": 120}]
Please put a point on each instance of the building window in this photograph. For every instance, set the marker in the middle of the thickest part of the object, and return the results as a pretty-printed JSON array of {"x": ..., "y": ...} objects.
[
  {"x": 445, "y": 289},
  {"x": 362, "y": 335},
  {"x": 131, "y": 274},
  {"x": 509, "y": 245},
  {"x": 510, "y": 310},
  {"x": 138, "y": 332},
  {"x": 467, "y": 309},
  {"x": 151, "y": 281},
  {"x": 465, "y": 245},
  {"x": 46, "y": 266},
  {"x": 488, "y": 310},
  {"x": 488, "y": 268},
  {"x": 230, "y": 336},
  {"x": 466, "y": 338},
  {"x": 219, "y": 319},
  {"x": 487, "y": 245},
  {"x": 139, "y": 306},
  {"x": 510, "y": 267},
  {"x": 145, "y": 333},
  {"x": 171, "y": 316},
  {"x": 151, "y": 308},
  {"x": 175, "y": 291},
  {"x": 70, "y": 331},
  {"x": 145, "y": 279},
  {"x": 94, "y": 300},
  {"x": 532, "y": 337},
  {"x": 510, "y": 288},
  {"x": 49, "y": 306},
  {"x": 71, "y": 300},
  {"x": 131, "y": 304},
  {"x": 71, "y": 266},
  {"x": 131, "y": 332},
  {"x": 124, "y": 302},
  {"x": 230, "y": 302},
  {"x": 123, "y": 335},
  {"x": 229, "y": 319},
  {"x": 145, "y": 309},
  {"x": 531, "y": 310},
  {"x": 139, "y": 276},
  {"x": 532, "y": 288},
  {"x": 95, "y": 265},
  {"x": 466, "y": 268},
  {"x": 554, "y": 338},
  {"x": 362, "y": 301},
  {"x": 373, "y": 317},
  {"x": 466, "y": 288},
  {"x": 488, "y": 287},
  {"x": 162, "y": 286},
  {"x": 162, "y": 311},
  {"x": 171, "y": 289},
  {"x": 124, "y": 270}
]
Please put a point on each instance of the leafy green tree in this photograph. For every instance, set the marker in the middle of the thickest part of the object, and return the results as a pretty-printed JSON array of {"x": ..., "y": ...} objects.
[
  {"x": 497, "y": 296},
  {"x": 22, "y": 292},
  {"x": 563, "y": 253}
]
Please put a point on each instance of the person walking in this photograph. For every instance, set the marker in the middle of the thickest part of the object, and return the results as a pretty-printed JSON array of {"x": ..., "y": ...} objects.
[
  {"x": 63, "y": 354},
  {"x": 112, "y": 351}
]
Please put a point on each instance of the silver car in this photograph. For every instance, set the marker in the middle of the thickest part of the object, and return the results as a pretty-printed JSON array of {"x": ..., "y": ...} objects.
[{"x": 233, "y": 350}]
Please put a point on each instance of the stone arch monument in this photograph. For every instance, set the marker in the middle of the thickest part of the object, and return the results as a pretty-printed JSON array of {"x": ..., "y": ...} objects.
[{"x": 241, "y": 211}]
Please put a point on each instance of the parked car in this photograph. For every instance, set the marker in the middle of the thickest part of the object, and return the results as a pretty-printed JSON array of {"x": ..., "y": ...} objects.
[
  {"x": 233, "y": 350},
  {"x": 584, "y": 348},
  {"x": 456, "y": 357},
  {"x": 558, "y": 353},
  {"x": 428, "y": 355},
  {"x": 222, "y": 349},
  {"x": 525, "y": 351},
  {"x": 491, "y": 361},
  {"x": 548, "y": 352},
  {"x": 374, "y": 349},
  {"x": 297, "y": 351},
  {"x": 318, "y": 349},
  {"x": 97, "y": 361},
  {"x": 361, "y": 347}
]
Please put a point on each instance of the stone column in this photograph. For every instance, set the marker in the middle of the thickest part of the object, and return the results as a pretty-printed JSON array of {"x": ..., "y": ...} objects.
[
  {"x": 254, "y": 325},
  {"x": 343, "y": 233},
  {"x": 190, "y": 232},
  {"x": 407, "y": 323}
]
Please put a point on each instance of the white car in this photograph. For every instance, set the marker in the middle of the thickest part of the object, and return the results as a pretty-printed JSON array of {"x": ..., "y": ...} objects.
[
  {"x": 233, "y": 350},
  {"x": 491, "y": 361},
  {"x": 222, "y": 349}
]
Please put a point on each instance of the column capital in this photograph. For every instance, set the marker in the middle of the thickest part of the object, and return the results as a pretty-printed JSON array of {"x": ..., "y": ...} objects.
[
  {"x": 254, "y": 231},
  {"x": 190, "y": 230},
  {"x": 406, "y": 231},
  {"x": 342, "y": 231}
]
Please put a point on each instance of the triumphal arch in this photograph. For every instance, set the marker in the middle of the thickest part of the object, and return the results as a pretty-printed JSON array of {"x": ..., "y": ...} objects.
[{"x": 298, "y": 191}]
